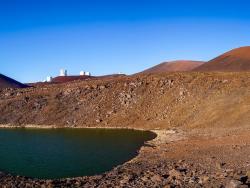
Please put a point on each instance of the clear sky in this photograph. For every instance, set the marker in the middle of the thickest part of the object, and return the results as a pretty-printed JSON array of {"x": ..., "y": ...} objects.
[{"x": 38, "y": 37}]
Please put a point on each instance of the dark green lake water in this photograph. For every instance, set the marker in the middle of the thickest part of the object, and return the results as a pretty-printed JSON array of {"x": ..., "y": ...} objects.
[{"x": 59, "y": 153}]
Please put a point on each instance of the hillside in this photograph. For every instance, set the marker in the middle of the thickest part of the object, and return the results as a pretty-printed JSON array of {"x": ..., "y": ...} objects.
[
  {"x": 174, "y": 66},
  {"x": 201, "y": 121},
  {"x": 163, "y": 100},
  {"x": 6, "y": 82},
  {"x": 234, "y": 60}
]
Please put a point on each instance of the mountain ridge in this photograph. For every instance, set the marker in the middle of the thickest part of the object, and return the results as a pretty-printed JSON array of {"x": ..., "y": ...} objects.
[{"x": 7, "y": 82}]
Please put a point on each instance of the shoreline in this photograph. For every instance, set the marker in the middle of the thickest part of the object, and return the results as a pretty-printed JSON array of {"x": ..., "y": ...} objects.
[
  {"x": 158, "y": 134},
  {"x": 173, "y": 158},
  {"x": 161, "y": 135},
  {"x": 68, "y": 127}
]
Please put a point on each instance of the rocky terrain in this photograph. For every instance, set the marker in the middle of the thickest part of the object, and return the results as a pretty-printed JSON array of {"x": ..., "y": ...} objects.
[
  {"x": 202, "y": 122},
  {"x": 147, "y": 101}
]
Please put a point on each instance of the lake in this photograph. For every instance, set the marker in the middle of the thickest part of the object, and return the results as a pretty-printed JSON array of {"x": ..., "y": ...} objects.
[{"x": 60, "y": 153}]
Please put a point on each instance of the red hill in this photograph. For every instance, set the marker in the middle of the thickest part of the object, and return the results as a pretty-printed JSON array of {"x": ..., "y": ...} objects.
[
  {"x": 62, "y": 79},
  {"x": 174, "y": 66},
  {"x": 235, "y": 60}
]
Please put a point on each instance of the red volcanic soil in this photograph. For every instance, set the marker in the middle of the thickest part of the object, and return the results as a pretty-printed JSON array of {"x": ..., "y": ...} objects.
[
  {"x": 62, "y": 79},
  {"x": 6, "y": 82},
  {"x": 174, "y": 66},
  {"x": 235, "y": 60}
]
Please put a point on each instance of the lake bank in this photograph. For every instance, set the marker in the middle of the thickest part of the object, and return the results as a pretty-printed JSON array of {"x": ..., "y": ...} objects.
[
  {"x": 35, "y": 152},
  {"x": 174, "y": 158}
]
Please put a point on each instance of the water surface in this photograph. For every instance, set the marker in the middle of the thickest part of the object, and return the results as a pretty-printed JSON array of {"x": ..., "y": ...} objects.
[{"x": 59, "y": 153}]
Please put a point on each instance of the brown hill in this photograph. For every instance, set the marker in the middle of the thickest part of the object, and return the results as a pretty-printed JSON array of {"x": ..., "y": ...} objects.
[
  {"x": 148, "y": 101},
  {"x": 174, "y": 66},
  {"x": 235, "y": 60},
  {"x": 6, "y": 82}
]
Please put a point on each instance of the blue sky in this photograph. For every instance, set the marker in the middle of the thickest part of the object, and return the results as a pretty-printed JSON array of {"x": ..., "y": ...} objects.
[{"x": 38, "y": 37}]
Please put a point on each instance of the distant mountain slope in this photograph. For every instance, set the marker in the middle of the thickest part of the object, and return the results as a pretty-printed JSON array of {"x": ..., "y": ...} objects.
[
  {"x": 174, "y": 66},
  {"x": 6, "y": 82},
  {"x": 235, "y": 60},
  {"x": 62, "y": 79}
]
